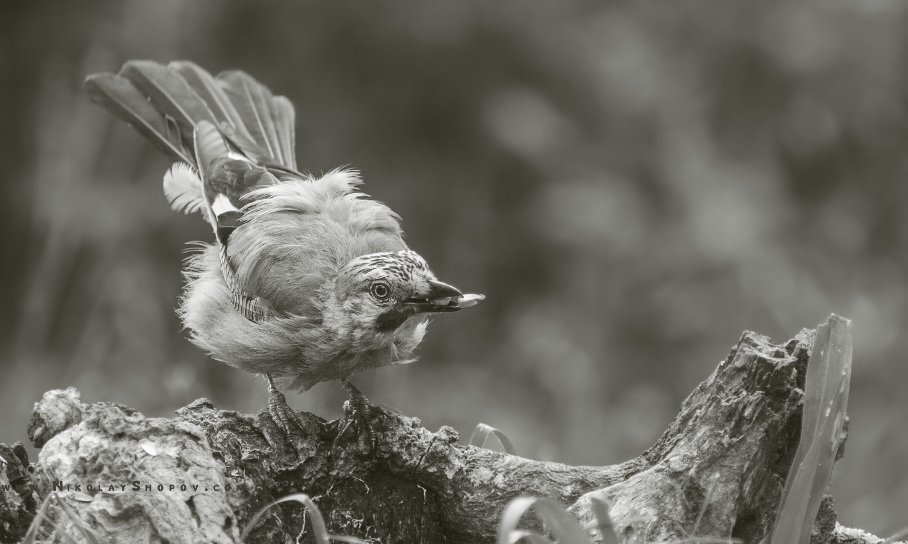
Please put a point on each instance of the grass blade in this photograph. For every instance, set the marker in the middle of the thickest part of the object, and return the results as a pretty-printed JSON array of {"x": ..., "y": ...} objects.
[
  {"x": 529, "y": 537},
  {"x": 40, "y": 517},
  {"x": 706, "y": 500},
  {"x": 894, "y": 538},
  {"x": 703, "y": 540},
  {"x": 604, "y": 523},
  {"x": 318, "y": 522},
  {"x": 511, "y": 517},
  {"x": 481, "y": 434},
  {"x": 77, "y": 522},
  {"x": 563, "y": 526},
  {"x": 825, "y": 400}
]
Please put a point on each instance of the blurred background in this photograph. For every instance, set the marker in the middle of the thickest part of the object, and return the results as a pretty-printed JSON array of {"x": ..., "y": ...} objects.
[{"x": 632, "y": 185}]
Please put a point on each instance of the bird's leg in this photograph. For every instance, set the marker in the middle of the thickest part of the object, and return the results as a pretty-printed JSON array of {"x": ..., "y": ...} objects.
[
  {"x": 280, "y": 412},
  {"x": 357, "y": 399},
  {"x": 357, "y": 407}
]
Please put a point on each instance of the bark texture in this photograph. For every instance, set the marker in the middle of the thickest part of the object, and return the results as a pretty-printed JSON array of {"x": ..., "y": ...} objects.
[{"x": 378, "y": 475}]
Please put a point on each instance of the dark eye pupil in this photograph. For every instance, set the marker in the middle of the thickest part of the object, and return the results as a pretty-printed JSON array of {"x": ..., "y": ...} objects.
[{"x": 379, "y": 290}]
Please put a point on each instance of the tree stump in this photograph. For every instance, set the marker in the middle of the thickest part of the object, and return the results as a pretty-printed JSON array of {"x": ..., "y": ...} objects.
[{"x": 380, "y": 476}]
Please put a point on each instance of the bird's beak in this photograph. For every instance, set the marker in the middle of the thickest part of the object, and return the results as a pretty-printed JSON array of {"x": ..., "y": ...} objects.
[{"x": 442, "y": 297}]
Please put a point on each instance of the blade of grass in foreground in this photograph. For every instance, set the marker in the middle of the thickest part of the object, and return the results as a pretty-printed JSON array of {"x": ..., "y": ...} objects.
[
  {"x": 529, "y": 537},
  {"x": 604, "y": 522},
  {"x": 31, "y": 537},
  {"x": 318, "y": 522},
  {"x": 894, "y": 538},
  {"x": 481, "y": 434},
  {"x": 825, "y": 399},
  {"x": 563, "y": 526},
  {"x": 32, "y": 534},
  {"x": 77, "y": 522}
]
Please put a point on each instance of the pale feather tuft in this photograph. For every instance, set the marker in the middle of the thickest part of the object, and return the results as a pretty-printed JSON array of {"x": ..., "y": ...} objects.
[{"x": 183, "y": 188}]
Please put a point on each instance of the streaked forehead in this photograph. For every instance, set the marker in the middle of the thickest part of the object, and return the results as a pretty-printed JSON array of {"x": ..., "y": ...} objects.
[{"x": 403, "y": 263}]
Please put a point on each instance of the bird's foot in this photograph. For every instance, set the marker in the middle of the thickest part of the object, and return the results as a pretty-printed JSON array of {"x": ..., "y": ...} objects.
[
  {"x": 357, "y": 408},
  {"x": 357, "y": 400},
  {"x": 287, "y": 419}
]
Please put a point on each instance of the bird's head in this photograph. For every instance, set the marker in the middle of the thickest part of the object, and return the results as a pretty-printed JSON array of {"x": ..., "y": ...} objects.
[{"x": 382, "y": 291}]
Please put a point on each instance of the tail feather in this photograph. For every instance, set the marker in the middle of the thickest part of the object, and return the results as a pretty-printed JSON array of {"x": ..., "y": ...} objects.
[
  {"x": 209, "y": 145},
  {"x": 253, "y": 102},
  {"x": 211, "y": 92},
  {"x": 166, "y": 103},
  {"x": 120, "y": 96},
  {"x": 285, "y": 124},
  {"x": 168, "y": 92},
  {"x": 229, "y": 120}
]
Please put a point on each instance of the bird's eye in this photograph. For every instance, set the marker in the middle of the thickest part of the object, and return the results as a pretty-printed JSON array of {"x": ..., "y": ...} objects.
[{"x": 380, "y": 291}]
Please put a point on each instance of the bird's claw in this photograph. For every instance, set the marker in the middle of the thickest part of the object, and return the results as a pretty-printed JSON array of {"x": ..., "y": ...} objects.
[
  {"x": 357, "y": 400},
  {"x": 284, "y": 416},
  {"x": 357, "y": 407}
]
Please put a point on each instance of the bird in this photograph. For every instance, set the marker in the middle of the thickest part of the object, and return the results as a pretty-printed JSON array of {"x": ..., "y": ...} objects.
[{"x": 307, "y": 279}]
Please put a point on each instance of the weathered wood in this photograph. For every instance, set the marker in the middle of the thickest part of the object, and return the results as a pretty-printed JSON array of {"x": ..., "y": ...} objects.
[
  {"x": 381, "y": 476},
  {"x": 732, "y": 441}
]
